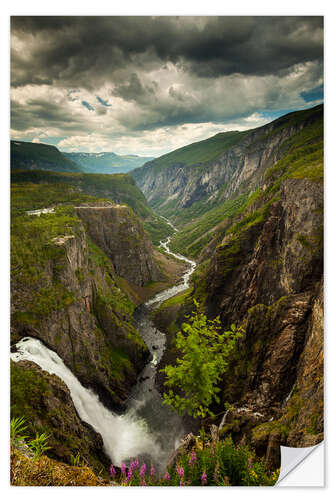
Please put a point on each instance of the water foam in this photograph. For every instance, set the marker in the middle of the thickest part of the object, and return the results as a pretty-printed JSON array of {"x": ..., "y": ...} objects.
[{"x": 124, "y": 436}]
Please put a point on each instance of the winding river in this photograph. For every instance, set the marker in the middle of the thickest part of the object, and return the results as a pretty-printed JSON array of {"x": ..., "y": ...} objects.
[{"x": 148, "y": 429}]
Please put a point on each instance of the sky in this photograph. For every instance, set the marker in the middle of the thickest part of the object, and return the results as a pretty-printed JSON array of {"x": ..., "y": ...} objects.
[{"x": 148, "y": 85}]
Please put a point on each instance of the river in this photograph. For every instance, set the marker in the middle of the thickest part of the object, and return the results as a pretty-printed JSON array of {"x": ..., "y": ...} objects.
[{"x": 147, "y": 430}]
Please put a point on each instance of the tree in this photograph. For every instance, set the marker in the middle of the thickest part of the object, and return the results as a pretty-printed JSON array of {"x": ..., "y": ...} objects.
[{"x": 205, "y": 351}]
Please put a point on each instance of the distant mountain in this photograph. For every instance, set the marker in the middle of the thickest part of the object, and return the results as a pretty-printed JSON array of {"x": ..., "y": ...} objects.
[
  {"x": 107, "y": 163},
  {"x": 35, "y": 156}
]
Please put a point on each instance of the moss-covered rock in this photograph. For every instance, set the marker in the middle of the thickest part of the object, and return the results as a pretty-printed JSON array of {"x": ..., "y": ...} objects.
[{"x": 47, "y": 407}]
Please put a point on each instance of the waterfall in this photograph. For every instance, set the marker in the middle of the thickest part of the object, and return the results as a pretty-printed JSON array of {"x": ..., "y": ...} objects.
[
  {"x": 223, "y": 420},
  {"x": 124, "y": 436}
]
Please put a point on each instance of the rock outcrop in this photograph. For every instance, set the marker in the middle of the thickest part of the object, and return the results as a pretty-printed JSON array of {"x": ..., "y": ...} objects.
[
  {"x": 120, "y": 234},
  {"x": 48, "y": 405}
]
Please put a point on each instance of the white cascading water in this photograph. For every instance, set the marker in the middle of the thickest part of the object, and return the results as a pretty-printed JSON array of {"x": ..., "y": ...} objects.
[
  {"x": 123, "y": 436},
  {"x": 147, "y": 429}
]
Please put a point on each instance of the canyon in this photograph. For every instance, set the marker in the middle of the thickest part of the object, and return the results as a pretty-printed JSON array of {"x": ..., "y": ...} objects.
[{"x": 248, "y": 208}]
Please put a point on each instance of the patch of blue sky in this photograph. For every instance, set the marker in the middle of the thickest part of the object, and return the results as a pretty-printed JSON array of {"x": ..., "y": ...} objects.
[
  {"x": 272, "y": 115},
  {"x": 87, "y": 105},
  {"x": 103, "y": 102},
  {"x": 315, "y": 94},
  {"x": 53, "y": 141}
]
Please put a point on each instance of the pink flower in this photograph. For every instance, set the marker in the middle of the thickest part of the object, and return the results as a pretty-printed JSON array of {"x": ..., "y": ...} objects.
[
  {"x": 143, "y": 470},
  {"x": 123, "y": 468},
  {"x": 193, "y": 458},
  {"x": 167, "y": 476},
  {"x": 180, "y": 471},
  {"x": 152, "y": 470},
  {"x": 204, "y": 478},
  {"x": 112, "y": 471}
]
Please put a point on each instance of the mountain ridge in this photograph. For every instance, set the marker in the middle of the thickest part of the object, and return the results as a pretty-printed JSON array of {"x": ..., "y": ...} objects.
[
  {"x": 106, "y": 162},
  {"x": 173, "y": 188},
  {"x": 39, "y": 156}
]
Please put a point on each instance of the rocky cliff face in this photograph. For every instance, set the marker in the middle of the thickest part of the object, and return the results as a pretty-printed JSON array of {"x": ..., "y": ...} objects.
[
  {"x": 75, "y": 303},
  {"x": 119, "y": 233},
  {"x": 241, "y": 167},
  {"x": 263, "y": 269},
  {"x": 268, "y": 277}
]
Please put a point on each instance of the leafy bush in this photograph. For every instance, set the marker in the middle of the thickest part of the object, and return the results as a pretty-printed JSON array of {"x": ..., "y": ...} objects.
[{"x": 195, "y": 376}]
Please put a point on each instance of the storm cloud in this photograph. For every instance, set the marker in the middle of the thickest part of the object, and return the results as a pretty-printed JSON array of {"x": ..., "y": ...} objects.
[{"x": 138, "y": 79}]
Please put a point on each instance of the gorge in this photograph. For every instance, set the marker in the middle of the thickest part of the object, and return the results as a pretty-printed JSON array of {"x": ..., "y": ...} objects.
[
  {"x": 99, "y": 292},
  {"x": 147, "y": 430}
]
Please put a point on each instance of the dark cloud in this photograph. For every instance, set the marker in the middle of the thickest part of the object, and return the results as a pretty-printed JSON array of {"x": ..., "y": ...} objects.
[
  {"x": 86, "y": 49},
  {"x": 41, "y": 114},
  {"x": 131, "y": 90}
]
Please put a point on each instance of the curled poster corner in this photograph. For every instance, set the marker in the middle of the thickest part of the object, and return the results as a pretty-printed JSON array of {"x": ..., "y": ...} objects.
[{"x": 293, "y": 457}]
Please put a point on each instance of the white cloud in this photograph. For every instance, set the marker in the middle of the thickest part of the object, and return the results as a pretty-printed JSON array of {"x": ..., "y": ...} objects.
[{"x": 152, "y": 123}]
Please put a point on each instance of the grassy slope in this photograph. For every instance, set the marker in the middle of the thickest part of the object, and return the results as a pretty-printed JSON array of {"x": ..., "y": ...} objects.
[
  {"x": 196, "y": 154},
  {"x": 39, "y": 156},
  {"x": 119, "y": 188},
  {"x": 199, "y": 152}
]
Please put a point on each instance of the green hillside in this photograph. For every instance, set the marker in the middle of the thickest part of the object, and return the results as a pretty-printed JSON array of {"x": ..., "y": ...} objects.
[
  {"x": 195, "y": 154},
  {"x": 33, "y": 156},
  {"x": 119, "y": 188}
]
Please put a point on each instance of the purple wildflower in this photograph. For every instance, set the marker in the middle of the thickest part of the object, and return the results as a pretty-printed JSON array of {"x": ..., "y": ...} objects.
[
  {"x": 193, "y": 458},
  {"x": 204, "y": 478},
  {"x": 180, "y": 471},
  {"x": 112, "y": 471},
  {"x": 123, "y": 468},
  {"x": 167, "y": 476},
  {"x": 152, "y": 470},
  {"x": 143, "y": 470},
  {"x": 136, "y": 464},
  {"x": 130, "y": 473}
]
